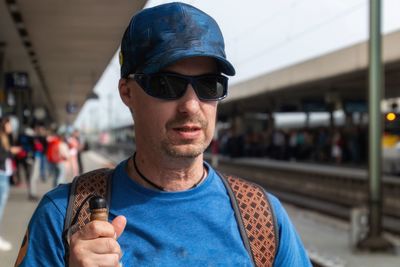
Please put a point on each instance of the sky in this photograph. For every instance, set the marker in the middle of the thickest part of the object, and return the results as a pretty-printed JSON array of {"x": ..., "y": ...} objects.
[{"x": 260, "y": 36}]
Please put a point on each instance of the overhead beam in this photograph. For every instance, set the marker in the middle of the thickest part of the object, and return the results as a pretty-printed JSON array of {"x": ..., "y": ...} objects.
[{"x": 14, "y": 11}]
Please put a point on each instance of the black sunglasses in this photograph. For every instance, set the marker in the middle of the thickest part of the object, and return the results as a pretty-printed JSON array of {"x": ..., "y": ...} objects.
[{"x": 172, "y": 86}]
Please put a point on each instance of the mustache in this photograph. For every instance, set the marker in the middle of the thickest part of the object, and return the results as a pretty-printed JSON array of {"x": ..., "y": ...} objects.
[{"x": 179, "y": 121}]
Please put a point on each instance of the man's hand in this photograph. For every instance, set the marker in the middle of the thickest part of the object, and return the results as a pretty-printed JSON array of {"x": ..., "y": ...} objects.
[{"x": 96, "y": 244}]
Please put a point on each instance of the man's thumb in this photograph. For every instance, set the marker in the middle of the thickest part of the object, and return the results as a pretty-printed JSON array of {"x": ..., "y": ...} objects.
[{"x": 119, "y": 225}]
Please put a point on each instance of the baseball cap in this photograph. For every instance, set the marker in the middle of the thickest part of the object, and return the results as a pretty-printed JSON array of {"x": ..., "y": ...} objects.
[{"x": 159, "y": 36}]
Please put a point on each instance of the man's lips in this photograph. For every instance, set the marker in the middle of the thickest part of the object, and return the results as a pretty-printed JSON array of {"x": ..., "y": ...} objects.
[
  {"x": 187, "y": 128},
  {"x": 187, "y": 132},
  {"x": 186, "y": 124}
]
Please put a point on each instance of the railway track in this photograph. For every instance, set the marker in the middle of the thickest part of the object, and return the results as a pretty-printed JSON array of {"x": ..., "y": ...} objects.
[{"x": 331, "y": 191}]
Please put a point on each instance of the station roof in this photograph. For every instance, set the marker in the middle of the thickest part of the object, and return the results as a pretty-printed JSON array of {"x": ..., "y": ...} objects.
[
  {"x": 63, "y": 45},
  {"x": 339, "y": 75}
]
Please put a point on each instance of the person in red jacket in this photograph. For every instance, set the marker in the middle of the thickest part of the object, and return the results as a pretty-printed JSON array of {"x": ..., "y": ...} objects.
[{"x": 57, "y": 155}]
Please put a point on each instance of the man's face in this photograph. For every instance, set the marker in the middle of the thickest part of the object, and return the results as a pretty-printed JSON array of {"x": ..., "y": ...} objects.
[{"x": 177, "y": 128}]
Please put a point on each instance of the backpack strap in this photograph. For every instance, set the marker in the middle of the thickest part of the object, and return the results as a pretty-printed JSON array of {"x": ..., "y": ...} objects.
[
  {"x": 257, "y": 223},
  {"x": 83, "y": 187},
  {"x": 253, "y": 212}
]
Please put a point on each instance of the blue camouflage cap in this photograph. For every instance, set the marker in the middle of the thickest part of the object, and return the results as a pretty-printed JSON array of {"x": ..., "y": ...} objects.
[{"x": 159, "y": 36}]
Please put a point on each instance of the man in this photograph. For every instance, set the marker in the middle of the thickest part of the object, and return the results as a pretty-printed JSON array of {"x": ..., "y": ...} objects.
[{"x": 168, "y": 206}]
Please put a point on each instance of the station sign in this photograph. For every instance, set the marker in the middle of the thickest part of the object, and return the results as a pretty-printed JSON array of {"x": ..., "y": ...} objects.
[
  {"x": 40, "y": 113},
  {"x": 288, "y": 108},
  {"x": 314, "y": 105},
  {"x": 352, "y": 106},
  {"x": 71, "y": 107},
  {"x": 16, "y": 80}
]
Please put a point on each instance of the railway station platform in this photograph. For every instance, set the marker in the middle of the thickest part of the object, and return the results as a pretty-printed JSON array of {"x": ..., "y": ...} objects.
[
  {"x": 326, "y": 238},
  {"x": 328, "y": 241},
  {"x": 19, "y": 209}
]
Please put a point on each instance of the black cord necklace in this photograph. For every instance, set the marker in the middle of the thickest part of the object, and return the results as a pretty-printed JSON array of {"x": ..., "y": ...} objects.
[{"x": 157, "y": 186}]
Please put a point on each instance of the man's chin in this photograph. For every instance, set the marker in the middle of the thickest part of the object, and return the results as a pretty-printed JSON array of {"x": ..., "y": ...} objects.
[{"x": 184, "y": 151}]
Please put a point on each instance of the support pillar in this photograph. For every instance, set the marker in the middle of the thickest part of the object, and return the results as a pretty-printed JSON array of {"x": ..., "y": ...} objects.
[{"x": 375, "y": 241}]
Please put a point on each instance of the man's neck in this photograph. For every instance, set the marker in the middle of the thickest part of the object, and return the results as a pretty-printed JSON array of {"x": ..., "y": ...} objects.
[{"x": 169, "y": 177}]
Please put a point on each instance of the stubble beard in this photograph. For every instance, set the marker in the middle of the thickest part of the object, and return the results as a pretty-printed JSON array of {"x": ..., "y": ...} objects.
[
  {"x": 182, "y": 150},
  {"x": 190, "y": 149}
]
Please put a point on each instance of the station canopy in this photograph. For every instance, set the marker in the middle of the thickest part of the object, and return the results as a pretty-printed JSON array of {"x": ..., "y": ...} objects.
[{"x": 63, "y": 46}]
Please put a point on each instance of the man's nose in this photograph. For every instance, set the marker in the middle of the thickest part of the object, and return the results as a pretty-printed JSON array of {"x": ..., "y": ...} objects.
[{"x": 189, "y": 102}]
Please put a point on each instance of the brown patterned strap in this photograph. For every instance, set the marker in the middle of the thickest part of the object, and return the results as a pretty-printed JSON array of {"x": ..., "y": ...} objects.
[
  {"x": 257, "y": 218},
  {"x": 254, "y": 208},
  {"x": 82, "y": 189}
]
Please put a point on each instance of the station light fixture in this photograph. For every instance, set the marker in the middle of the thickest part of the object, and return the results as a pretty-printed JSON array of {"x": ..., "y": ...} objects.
[{"x": 391, "y": 116}]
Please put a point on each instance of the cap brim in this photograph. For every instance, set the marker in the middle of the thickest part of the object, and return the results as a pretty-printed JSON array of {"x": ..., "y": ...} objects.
[{"x": 225, "y": 66}]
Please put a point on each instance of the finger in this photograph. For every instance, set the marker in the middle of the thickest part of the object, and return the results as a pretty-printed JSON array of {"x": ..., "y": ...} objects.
[
  {"x": 104, "y": 245},
  {"x": 87, "y": 252},
  {"x": 109, "y": 260},
  {"x": 119, "y": 224},
  {"x": 94, "y": 230},
  {"x": 101, "y": 260}
]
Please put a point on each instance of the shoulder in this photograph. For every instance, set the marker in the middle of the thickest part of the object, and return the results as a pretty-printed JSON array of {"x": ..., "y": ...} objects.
[
  {"x": 43, "y": 243},
  {"x": 283, "y": 222},
  {"x": 291, "y": 251},
  {"x": 277, "y": 207},
  {"x": 56, "y": 200}
]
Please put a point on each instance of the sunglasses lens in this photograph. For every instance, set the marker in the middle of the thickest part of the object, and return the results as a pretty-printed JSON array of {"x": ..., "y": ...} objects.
[
  {"x": 210, "y": 87},
  {"x": 165, "y": 87},
  {"x": 173, "y": 86}
]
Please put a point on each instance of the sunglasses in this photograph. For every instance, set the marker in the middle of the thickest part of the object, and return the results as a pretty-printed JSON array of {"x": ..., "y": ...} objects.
[{"x": 172, "y": 86}]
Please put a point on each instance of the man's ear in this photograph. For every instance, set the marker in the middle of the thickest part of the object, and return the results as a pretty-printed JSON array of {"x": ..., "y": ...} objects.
[{"x": 125, "y": 92}]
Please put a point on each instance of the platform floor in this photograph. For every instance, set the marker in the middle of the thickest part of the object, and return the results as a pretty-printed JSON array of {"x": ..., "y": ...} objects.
[
  {"x": 325, "y": 238},
  {"x": 328, "y": 241},
  {"x": 19, "y": 209}
]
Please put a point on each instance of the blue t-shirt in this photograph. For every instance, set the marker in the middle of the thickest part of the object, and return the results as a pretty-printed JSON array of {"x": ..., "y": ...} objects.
[{"x": 196, "y": 227}]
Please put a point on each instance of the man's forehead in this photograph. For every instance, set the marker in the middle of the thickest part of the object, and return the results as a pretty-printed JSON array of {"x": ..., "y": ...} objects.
[{"x": 194, "y": 62}]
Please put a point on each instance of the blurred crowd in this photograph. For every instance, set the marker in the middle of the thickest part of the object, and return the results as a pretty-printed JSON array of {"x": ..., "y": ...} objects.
[
  {"x": 32, "y": 155},
  {"x": 323, "y": 144}
]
